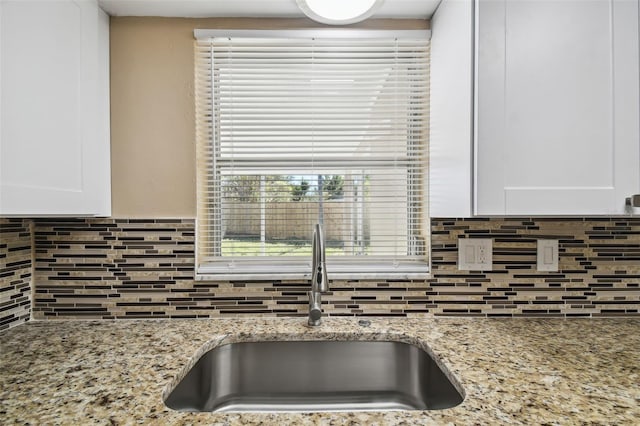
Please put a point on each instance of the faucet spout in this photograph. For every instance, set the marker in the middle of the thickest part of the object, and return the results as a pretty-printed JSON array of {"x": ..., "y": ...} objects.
[
  {"x": 319, "y": 282},
  {"x": 319, "y": 264}
]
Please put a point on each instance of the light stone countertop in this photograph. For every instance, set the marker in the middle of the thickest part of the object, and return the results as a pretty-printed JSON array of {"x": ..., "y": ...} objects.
[{"x": 513, "y": 371}]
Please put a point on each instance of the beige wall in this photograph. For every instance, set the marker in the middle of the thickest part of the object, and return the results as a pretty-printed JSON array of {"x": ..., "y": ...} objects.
[{"x": 153, "y": 111}]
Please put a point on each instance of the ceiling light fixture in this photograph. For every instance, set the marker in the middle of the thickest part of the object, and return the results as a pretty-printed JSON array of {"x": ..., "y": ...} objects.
[{"x": 339, "y": 12}]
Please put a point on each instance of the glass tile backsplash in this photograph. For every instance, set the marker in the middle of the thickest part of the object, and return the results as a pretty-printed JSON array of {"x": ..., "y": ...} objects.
[{"x": 143, "y": 268}]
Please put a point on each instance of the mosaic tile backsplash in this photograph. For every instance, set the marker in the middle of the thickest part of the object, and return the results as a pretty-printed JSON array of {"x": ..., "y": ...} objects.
[
  {"x": 15, "y": 272},
  {"x": 126, "y": 268}
]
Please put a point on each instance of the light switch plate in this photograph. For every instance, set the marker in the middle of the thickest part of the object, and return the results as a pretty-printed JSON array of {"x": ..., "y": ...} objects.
[
  {"x": 548, "y": 255},
  {"x": 475, "y": 254}
]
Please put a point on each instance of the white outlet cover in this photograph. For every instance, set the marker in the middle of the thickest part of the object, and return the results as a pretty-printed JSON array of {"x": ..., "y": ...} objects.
[
  {"x": 548, "y": 255},
  {"x": 475, "y": 254}
]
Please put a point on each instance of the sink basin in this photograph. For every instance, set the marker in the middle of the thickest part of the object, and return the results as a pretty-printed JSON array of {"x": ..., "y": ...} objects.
[{"x": 314, "y": 376}]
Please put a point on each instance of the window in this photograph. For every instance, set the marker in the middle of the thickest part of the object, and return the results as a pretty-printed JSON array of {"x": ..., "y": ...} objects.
[{"x": 294, "y": 131}]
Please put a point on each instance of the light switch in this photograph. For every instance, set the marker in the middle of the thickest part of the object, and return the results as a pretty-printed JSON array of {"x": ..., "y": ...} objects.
[
  {"x": 475, "y": 254},
  {"x": 548, "y": 255}
]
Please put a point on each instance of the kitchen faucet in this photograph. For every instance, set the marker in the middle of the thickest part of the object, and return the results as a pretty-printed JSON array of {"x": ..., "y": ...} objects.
[{"x": 319, "y": 283}]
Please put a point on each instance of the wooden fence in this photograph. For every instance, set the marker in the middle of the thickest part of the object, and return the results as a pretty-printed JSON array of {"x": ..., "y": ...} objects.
[{"x": 291, "y": 220}]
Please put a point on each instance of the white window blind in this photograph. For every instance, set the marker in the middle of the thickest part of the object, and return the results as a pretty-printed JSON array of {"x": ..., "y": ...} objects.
[{"x": 297, "y": 131}]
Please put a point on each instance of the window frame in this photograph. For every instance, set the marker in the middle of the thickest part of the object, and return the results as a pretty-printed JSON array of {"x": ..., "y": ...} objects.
[{"x": 297, "y": 267}]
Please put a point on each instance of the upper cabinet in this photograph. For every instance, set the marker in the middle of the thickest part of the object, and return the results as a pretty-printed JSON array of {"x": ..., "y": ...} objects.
[
  {"x": 54, "y": 111},
  {"x": 451, "y": 125},
  {"x": 557, "y": 107}
]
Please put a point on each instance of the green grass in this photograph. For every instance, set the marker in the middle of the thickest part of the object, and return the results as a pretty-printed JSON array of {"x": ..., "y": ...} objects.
[{"x": 243, "y": 247}]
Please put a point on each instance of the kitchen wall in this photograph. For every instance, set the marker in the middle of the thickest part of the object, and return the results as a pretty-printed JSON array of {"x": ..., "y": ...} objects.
[
  {"x": 153, "y": 109},
  {"x": 15, "y": 272},
  {"x": 139, "y": 264},
  {"x": 143, "y": 268}
]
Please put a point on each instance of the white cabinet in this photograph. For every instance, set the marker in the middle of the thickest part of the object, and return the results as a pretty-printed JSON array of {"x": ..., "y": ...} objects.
[
  {"x": 451, "y": 125},
  {"x": 54, "y": 110},
  {"x": 557, "y": 106}
]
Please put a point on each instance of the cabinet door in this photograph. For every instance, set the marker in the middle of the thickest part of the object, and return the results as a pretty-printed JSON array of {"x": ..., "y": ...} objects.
[
  {"x": 451, "y": 126},
  {"x": 54, "y": 135},
  {"x": 557, "y": 106}
]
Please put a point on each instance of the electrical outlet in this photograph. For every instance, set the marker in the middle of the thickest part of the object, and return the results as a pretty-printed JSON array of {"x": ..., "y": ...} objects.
[
  {"x": 475, "y": 254},
  {"x": 482, "y": 255},
  {"x": 548, "y": 255}
]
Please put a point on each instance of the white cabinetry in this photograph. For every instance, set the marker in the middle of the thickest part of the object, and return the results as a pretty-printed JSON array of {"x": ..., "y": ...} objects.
[
  {"x": 451, "y": 132},
  {"x": 54, "y": 111},
  {"x": 557, "y": 106}
]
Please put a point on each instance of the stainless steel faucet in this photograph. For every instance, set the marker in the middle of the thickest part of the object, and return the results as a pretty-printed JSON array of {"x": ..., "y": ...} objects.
[{"x": 319, "y": 283}]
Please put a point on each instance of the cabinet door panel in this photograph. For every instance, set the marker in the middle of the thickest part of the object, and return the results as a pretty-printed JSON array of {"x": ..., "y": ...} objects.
[
  {"x": 563, "y": 138},
  {"x": 52, "y": 134}
]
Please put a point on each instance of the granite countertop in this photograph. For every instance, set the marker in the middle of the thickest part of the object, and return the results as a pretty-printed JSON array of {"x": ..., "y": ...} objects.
[{"x": 517, "y": 371}]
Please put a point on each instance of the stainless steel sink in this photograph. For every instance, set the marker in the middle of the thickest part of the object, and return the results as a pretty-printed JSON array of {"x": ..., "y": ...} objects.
[{"x": 314, "y": 376}]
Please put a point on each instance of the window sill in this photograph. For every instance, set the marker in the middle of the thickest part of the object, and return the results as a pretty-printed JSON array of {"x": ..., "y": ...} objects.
[{"x": 301, "y": 271}]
